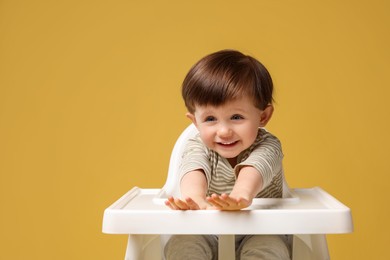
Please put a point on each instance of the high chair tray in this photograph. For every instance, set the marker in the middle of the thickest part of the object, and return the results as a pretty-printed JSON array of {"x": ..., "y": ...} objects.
[{"x": 307, "y": 211}]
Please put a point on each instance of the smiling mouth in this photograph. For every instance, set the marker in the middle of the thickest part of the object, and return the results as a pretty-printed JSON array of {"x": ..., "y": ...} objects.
[{"x": 227, "y": 144}]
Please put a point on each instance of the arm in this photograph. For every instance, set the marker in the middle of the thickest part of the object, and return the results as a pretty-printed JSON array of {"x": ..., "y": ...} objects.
[
  {"x": 259, "y": 169},
  {"x": 248, "y": 184},
  {"x": 193, "y": 189}
]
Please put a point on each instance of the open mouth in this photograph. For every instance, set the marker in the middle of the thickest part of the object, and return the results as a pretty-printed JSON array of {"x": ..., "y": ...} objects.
[{"x": 227, "y": 144}]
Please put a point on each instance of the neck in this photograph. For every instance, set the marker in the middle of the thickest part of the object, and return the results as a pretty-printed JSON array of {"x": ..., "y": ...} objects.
[{"x": 232, "y": 161}]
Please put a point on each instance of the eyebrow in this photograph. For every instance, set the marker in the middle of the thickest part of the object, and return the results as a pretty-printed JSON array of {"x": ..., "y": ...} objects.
[
  {"x": 206, "y": 114},
  {"x": 210, "y": 112}
]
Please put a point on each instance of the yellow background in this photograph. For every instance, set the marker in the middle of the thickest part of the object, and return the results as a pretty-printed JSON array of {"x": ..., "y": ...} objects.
[{"x": 88, "y": 88}]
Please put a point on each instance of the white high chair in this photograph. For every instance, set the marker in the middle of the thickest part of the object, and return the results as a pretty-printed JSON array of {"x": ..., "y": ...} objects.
[{"x": 307, "y": 214}]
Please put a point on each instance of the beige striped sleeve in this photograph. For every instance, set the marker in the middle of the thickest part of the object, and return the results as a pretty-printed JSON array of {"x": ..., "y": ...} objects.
[
  {"x": 195, "y": 157},
  {"x": 266, "y": 158}
]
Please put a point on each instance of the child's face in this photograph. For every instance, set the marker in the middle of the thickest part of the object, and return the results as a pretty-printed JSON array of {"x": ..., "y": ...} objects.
[{"x": 230, "y": 128}]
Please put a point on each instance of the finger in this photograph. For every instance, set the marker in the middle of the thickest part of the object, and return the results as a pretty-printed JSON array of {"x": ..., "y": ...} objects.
[
  {"x": 229, "y": 200},
  {"x": 176, "y": 204},
  {"x": 216, "y": 201},
  {"x": 223, "y": 200},
  {"x": 170, "y": 203},
  {"x": 192, "y": 204},
  {"x": 181, "y": 204},
  {"x": 243, "y": 202},
  {"x": 167, "y": 203}
]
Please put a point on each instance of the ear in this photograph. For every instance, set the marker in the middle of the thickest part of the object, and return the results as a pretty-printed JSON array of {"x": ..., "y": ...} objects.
[
  {"x": 266, "y": 115},
  {"x": 192, "y": 118}
]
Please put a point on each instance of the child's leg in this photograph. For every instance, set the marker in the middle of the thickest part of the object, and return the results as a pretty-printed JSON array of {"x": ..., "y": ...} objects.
[
  {"x": 194, "y": 247},
  {"x": 267, "y": 247}
]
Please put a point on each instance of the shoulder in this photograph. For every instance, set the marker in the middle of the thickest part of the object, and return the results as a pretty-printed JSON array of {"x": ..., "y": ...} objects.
[
  {"x": 264, "y": 133},
  {"x": 195, "y": 144},
  {"x": 265, "y": 137},
  {"x": 266, "y": 142},
  {"x": 195, "y": 141}
]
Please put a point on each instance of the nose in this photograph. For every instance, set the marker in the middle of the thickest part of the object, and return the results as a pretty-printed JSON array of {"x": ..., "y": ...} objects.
[{"x": 224, "y": 131}]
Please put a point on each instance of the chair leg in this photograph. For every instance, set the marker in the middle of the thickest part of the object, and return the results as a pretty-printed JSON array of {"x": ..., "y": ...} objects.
[
  {"x": 140, "y": 247},
  {"x": 134, "y": 247},
  {"x": 320, "y": 246},
  {"x": 310, "y": 247},
  {"x": 226, "y": 247}
]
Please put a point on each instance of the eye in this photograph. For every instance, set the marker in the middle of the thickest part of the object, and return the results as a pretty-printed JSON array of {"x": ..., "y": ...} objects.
[
  {"x": 237, "y": 117},
  {"x": 209, "y": 119}
]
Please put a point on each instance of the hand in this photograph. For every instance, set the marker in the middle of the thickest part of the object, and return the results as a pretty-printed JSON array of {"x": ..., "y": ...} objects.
[
  {"x": 227, "y": 202},
  {"x": 186, "y": 204}
]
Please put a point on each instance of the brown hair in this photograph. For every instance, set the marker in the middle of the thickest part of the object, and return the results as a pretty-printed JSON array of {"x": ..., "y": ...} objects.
[{"x": 225, "y": 75}]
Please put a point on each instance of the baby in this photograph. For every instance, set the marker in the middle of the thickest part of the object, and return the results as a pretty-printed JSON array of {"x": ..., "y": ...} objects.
[{"x": 232, "y": 160}]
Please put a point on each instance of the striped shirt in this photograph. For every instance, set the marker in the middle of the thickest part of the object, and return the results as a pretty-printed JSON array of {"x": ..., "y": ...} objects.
[{"x": 265, "y": 155}]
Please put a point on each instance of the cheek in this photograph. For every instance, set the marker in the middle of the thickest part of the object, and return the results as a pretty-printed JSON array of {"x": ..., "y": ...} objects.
[
  {"x": 206, "y": 136},
  {"x": 251, "y": 133}
]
